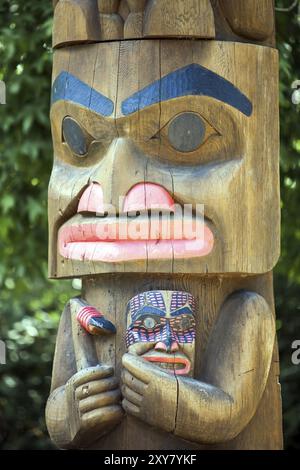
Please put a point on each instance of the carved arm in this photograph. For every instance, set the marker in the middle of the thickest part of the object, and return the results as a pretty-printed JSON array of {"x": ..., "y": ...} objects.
[{"x": 233, "y": 378}]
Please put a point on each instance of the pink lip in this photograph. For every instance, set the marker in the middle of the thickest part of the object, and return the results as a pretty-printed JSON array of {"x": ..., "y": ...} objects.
[
  {"x": 171, "y": 360},
  {"x": 102, "y": 241}
]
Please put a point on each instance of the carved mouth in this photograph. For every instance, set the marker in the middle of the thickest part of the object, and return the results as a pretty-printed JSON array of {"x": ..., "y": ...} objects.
[
  {"x": 118, "y": 239},
  {"x": 177, "y": 363}
]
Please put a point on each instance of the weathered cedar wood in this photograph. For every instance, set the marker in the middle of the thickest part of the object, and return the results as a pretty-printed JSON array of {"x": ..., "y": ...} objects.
[
  {"x": 233, "y": 401},
  {"x": 86, "y": 21}
]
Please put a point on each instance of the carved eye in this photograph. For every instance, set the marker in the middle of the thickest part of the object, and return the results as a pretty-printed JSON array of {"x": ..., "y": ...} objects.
[
  {"x": 186, "y": 323},
  {"x": 149, "y": 323},
  {"x": 75, "y": 136},
  {"x": 187, "y": 132},
  {"x": 183, "y": 323}
]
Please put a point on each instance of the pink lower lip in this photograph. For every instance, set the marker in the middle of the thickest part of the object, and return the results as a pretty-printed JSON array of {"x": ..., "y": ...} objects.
[{"x": 82, "y": 242}]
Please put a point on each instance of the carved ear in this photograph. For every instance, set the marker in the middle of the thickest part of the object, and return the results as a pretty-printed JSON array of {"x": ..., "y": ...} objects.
[
  {"x": 253, "y": 19},
  {"x": 75, "y": 21}
]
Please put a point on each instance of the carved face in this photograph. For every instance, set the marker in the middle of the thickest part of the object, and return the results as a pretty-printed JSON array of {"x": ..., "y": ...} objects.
[
  {"x": 161, "y": 329},
  {"x": 164, "y": 129}
]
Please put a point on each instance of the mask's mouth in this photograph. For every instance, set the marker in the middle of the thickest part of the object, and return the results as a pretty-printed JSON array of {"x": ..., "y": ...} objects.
[
  {"x": 175, "y": 363},
  {"x": 123, "y": 238}
]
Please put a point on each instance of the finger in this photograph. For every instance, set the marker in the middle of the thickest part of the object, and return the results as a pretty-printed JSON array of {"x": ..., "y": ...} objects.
[
  {"x": 99, "y": 401},
  {"x": 98, "y": 386},
  {"x": 140, "y": 368},
  {"x": 130, "y": 408},
  {"x": 92, "y": 373},
  {"x": 132, "y": 396},
  {"x": 102, "y": 416},
  {"x": 135, "y": 384}
]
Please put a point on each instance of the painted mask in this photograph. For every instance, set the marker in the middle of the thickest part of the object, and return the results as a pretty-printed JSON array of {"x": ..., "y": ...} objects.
[{"x": 161, "y": 329}]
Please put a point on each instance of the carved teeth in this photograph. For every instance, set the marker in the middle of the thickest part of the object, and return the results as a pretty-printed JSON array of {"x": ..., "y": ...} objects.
[{"x": 170, "y": 365}]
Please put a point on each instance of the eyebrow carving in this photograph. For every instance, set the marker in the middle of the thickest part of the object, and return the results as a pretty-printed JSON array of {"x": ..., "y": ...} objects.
[
  {"x": 182, "y": 311},
  {"x": 150, "y": 310},
  {"x": 190, "y": 80},
  {"x": 67, "y": 87}
]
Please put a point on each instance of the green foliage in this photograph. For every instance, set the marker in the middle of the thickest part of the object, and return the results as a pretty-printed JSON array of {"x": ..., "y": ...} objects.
[
  {"x": 30, "y": 305},
  {"x": 287, "y": 274}
]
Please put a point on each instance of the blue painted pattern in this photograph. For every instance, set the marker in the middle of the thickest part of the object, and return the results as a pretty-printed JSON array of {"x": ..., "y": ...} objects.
[
  {"x": 190, "y": 80},
  {"x": 67, "y": 87},
  {"x": 172, "y": 313}
]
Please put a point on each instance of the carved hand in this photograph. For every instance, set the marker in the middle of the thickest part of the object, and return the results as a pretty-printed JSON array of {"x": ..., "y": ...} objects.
[
  {"x": 94, "y": 406},
  {"x": 149, "y": 393},
  {"x": 89, "y": 406}
]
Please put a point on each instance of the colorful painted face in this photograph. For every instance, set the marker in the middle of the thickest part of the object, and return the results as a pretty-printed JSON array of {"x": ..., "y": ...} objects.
[
  {"x": 161, "y": 329},
  {"x": 182, "y": 132}
]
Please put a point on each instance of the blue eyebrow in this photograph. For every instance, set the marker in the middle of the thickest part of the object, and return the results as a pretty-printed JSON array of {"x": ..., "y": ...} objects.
[
  {"x": 182, "y": 311},
  {"x": 146, "y": 310},
  {"x": 190, "y": 80},
  {"x": 67, "y": 87},
  {"x": 150, "y": 310}
]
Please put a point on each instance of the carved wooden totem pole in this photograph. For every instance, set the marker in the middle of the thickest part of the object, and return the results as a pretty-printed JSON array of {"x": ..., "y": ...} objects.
[{"x": 158, "y": 106}]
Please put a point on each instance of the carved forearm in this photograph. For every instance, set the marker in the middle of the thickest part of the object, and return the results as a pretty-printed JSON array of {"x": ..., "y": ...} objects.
[
  {"x": 205, "y": 413},
  {"x": 236, "y": 364}
]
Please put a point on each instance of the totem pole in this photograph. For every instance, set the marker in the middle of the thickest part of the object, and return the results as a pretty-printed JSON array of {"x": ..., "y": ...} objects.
[{"x": 159, "y": 105}]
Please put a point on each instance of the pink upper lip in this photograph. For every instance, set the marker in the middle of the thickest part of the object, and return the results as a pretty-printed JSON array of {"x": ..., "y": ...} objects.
[{"x": 103, "y": 239}]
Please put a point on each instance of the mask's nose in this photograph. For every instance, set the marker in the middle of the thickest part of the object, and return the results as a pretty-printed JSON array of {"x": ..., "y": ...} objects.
[
  {"x": 167, "y": 346},
  {"x": 168, "y": 343}
]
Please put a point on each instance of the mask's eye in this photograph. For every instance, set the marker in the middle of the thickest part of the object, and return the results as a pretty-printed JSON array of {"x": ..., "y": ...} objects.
[
  {"x": 149, "y": 323},
  {"x": 187, "y": 132},
  {"x": 184, "y": 323},
  {"x": 76, "y": 137}
]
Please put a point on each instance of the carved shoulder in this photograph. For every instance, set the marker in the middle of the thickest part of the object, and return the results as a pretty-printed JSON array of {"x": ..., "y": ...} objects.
[{"x": 241, "y": 344}]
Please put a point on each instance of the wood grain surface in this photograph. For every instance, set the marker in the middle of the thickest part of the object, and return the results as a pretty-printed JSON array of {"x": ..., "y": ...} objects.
[
  {"x": 86, "y": 21},
  {"x": 146, "y": 85},
  {"x": 220, "y": 344}
]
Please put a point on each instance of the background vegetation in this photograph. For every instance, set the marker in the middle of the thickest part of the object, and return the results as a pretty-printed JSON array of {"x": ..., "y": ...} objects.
[{"x": 30, "y": 305}]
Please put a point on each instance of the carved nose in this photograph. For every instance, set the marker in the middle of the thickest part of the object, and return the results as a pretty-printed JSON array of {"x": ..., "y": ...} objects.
[
  {"x": 92, "y": 199},
  {"x": 144, "y": 196},
  {"x": 166, "y": 346}
]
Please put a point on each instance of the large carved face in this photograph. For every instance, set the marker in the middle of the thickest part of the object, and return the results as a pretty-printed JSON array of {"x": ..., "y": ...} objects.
[
  {"x": 161, "y": 329},
  {"x": 164, "y": 124}
]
